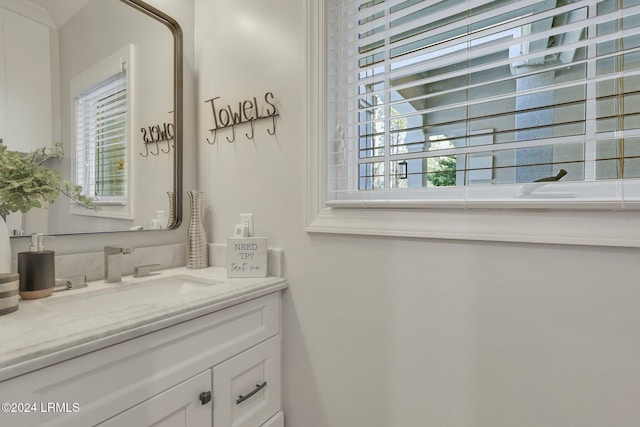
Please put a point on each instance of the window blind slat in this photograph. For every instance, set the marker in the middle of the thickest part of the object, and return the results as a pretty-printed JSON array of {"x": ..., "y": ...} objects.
[{"x": 464, "y": 54}]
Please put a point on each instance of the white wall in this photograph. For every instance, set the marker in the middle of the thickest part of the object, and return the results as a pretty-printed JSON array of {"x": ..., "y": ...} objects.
[
  {"x": 25, "y": 80},
  {"x": 390, "y": 332}
]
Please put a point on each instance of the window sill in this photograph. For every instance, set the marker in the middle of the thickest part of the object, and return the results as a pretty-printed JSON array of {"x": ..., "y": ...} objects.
[
  {"x": 111, "y": 211},
  {"x": 596, "y": 228}
]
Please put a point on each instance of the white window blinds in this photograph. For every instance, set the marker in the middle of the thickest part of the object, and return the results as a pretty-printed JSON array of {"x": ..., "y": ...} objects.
[
  {"x": 101, "y": 156},
  {"x": 482, "y": 103}
]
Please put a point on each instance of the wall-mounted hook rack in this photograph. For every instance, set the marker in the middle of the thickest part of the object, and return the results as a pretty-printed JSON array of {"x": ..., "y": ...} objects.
[
  {"x": 250, "y": 136},
  {"x": 155, "y": 135},
  {"x": 247, "y": 111}
]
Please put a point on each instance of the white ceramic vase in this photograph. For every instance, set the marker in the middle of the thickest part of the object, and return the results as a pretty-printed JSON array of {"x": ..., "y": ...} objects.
[{"x": 5, "y": 248}]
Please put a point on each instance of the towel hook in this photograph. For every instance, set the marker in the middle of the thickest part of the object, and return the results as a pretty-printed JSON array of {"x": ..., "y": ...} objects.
[
  {"x": 168, "y": 147},
  {"x": 233, "y": 128},
  {"x": 215, "y": 136},
  {"x": 146, "y": 148},
  {"x": 252, "y": 130},
  {"x": 157, "y": 149},
  {"x": 273, "y": 117}
]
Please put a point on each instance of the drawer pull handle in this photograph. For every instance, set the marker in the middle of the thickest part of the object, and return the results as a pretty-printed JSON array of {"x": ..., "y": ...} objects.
[
  {"x": 205, "y": 397},
  {"x": 257, "y": 389}
]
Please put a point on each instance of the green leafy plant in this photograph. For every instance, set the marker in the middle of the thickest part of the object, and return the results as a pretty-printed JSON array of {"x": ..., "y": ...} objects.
[
  {"x": 445, "y": 172},
  {"x": 25, "y": 183}
]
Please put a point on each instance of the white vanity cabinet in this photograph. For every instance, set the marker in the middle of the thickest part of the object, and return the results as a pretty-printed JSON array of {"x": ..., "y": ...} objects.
[{"x": 220, "y": 369}]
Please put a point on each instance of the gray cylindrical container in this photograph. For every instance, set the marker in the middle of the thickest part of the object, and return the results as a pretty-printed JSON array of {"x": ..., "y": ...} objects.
[
  {"x": 8, "y": 293},
  {"x": 37, "y": 270}
]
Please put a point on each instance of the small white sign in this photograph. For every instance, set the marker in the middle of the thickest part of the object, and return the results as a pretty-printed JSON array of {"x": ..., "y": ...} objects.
[{"x": 247, "y": 257}]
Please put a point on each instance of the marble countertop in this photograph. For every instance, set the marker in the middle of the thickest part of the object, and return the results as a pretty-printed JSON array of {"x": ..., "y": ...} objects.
[{"x": 39, "y": 334}]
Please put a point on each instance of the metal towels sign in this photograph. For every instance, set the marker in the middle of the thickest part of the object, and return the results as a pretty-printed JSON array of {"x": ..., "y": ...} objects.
[{"x": 245, "y": 111}]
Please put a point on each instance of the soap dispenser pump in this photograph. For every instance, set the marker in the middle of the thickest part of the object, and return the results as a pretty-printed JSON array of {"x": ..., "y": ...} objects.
[{"x": 36, "y": 269}]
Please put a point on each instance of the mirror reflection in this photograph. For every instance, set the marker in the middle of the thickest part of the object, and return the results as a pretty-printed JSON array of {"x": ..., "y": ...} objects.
[{"x": 93, "y": 79}]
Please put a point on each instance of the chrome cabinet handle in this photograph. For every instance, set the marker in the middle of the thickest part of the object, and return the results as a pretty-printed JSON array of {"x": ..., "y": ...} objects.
[{"x": 257, "y": 389}]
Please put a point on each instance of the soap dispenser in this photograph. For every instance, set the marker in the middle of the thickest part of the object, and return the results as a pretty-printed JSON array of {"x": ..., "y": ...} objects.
[{"x": 36, "y": 269}]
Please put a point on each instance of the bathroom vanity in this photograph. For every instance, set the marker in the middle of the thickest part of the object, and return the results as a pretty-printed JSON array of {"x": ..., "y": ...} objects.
[{"x": 184, "y": 347}]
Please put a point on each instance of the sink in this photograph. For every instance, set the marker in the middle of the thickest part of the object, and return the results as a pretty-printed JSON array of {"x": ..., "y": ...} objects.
[{"x": 126, "y": 296}]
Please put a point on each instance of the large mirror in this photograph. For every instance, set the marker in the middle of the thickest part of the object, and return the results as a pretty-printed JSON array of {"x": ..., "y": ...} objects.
[{"x": 101, "y": 82}]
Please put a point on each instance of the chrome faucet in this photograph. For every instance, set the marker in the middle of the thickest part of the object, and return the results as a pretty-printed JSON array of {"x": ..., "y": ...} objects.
[{"x": 113, "y": 262}]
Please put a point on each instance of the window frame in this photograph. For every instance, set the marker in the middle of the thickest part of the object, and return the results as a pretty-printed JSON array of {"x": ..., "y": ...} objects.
[
  {"x": 94, "y": 75},
  {"x": 89, "y": 165},
  {"x": 592, "y": 224}
]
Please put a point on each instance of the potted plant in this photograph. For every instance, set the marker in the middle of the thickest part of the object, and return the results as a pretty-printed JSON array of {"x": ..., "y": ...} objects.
[{"x": 25, "y": 183}]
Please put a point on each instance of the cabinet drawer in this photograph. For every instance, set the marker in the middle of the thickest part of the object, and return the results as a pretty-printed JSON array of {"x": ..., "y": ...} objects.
[
  {"x": 177, "y": 407},
  {"x": 114, "y": 379},
  {"x": 246, "y": 388}
]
